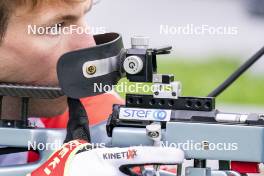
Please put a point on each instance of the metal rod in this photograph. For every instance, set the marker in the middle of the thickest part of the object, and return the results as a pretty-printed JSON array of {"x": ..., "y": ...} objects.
[
  {"x": 232, "y": 78},
  {"x": 24, "y": 111}
]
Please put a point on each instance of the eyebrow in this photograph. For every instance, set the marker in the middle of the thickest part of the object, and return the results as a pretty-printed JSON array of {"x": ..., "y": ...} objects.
[{"x": 60, "y": 17}]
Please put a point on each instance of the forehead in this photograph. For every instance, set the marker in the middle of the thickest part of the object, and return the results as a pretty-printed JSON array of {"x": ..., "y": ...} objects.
[
  {"x": 41, "y": 10},
  {"x": 34, "y": 4}
]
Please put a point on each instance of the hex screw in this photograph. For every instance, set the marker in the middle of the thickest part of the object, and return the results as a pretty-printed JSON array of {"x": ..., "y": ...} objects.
[{"x": 91, "y": 69}]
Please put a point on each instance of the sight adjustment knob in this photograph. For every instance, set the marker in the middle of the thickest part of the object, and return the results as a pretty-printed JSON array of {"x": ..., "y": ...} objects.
[{"x": 133, "y": 65}]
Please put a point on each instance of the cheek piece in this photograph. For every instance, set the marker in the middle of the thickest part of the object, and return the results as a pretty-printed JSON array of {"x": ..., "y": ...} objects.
[{"x": 82, "y": 72}]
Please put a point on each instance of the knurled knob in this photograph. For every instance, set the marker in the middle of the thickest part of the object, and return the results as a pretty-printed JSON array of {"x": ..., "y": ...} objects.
[{"x": 140, "y": 42}]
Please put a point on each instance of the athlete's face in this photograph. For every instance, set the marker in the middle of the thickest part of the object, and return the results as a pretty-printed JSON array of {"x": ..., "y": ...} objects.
[{"x": 31, "y": 58}]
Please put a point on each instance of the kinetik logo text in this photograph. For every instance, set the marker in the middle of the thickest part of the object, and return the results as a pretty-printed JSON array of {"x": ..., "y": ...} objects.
[{"x": 130, "y": 154}]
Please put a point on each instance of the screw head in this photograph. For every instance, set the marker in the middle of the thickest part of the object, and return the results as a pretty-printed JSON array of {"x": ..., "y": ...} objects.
[
  {"x": 91, "y": 69},
  {"x": 153, "y": 134},
  {"x": 173, "y": 94},
  {"x": 205, "y": 145}
]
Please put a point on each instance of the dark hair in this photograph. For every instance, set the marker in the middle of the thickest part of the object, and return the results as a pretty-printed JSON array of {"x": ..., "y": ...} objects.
[{"x": 4, "y": 15}]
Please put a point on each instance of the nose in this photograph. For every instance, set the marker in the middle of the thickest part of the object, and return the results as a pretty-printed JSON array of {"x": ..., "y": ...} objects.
[{"x": 81, "y": 38}]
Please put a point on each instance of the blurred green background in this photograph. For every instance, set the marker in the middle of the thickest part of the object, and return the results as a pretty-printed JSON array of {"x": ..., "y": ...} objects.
[{"x": 200, "y": 77}]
